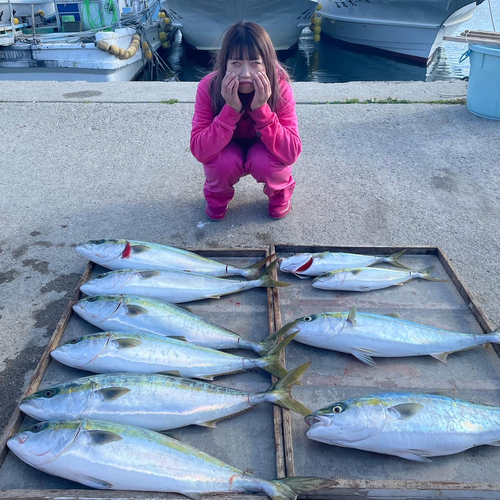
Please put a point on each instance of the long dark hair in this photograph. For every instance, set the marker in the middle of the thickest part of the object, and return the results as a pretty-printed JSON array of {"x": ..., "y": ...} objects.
[{"x": 246, "y": 40}]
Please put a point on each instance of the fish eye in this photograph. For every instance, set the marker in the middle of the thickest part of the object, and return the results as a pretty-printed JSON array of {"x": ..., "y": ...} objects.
[
  {"x": 75, "y": 341},
  {"x": 100, "y": 277},
  {"x": 48, "y": 393},
  {"x": 92, "y": 299},
  {"x": 337, "y": 409},
  {"x": 96, "y": 242},
  {"x": 308, "y": 318},
  {"x": 37, "y": 427}
]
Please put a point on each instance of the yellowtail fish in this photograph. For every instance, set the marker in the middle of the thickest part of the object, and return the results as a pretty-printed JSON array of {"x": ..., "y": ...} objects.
[
  {"x": 366, "y": 336},
  {"x": 112, "y": 456},
  {"x": 173, "y": 286},
  {"x": 111, "y": 352},
  {"x": 410, "y": 426},
  {"x": 129, "y": 254},
  {"x": 157, "y": 402},
  {"x": 365, "y": 279},
  {"x": 131, "y": 313},
  {"x": 305, "y": 265}
]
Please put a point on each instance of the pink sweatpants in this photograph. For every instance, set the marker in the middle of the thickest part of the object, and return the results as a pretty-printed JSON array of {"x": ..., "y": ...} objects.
[{"x": 240, "y": 158}]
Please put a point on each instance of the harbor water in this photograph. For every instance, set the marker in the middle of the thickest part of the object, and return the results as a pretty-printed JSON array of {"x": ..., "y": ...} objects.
[{"x": 331, "y": 62}]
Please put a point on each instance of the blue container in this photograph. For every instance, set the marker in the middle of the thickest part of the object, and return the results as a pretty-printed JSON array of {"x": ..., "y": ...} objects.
[{"x": 483, "y": 94}]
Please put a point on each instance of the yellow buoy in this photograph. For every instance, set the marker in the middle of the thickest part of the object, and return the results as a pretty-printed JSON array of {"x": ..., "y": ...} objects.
[
  {"x": 145, "y": 46},
  {"x": 311, "y": 27},
  {"x": 101, "y": 44},
  {"x": 317, "y": 21},
  {"x": 163, "y": 36},
  {"x": 41, "y": 12},
  {"x": 16, "y": 20},
  {"x": 319, "y": 6},
  {"x": 166, "y": 45},
  {"x": 317, "y": 38},
  {"x": 114, "y": 50},
  {"x": 161, "y": 15},
  {"x": 136, "y": 37},
  {"x": 148, "y": 55},
  {"x": 167, "y": 20},
  {"x": 317, "y": 30}
]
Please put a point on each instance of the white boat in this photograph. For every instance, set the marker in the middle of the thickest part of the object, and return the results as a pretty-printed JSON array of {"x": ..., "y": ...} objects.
[
  {"x": 75, "y": 56},
  {"x": 411, "y": 28},
  {"x": 202, "y": 22}
]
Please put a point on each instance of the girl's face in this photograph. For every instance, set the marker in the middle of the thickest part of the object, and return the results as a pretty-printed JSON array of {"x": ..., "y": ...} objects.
[{"x": 245, "y": 70}]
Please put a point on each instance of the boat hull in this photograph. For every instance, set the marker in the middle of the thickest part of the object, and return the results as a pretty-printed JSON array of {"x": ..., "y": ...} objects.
[
  {"x": 203, "y": 23},
  {"x": 413, "y": 29},
  {"x": 70, "y": 61}
]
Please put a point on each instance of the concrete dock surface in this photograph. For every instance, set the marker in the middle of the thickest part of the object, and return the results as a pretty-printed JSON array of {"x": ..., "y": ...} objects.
[{"x": 84, "y": 161}]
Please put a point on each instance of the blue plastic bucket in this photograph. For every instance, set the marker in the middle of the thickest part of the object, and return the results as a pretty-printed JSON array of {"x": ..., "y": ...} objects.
[{"x": 483, "y": 94}]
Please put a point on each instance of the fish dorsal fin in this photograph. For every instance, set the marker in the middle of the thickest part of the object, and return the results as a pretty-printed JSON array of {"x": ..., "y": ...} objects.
[
  {"x": 139, "y": 248},
  {"x": 100, "y": 438},
  {"x": 441, "y": 356},
  {"x": 210, "y": 423},
  {"x": 393, "y": 315},
  {"x": 405, "y": 411},
  {"x": 134, "y": 310},
  {"x": 112, "y": 393},
  {"x": 352, "y": 316},
  {"x": 125, "y": 343},
  {"x": 148, "y": 274}
]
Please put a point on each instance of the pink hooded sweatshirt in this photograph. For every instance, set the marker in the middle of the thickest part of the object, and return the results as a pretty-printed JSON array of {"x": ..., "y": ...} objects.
[{"x": 278, "y": 130}]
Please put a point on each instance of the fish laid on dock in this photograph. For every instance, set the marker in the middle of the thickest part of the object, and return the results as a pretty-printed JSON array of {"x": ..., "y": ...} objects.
[
  {"x": 130, "y": 313},
  {"x": 366, "y": 336},
  {"x": 305, "y": 265},
  {"x": 410, "y": 426},
  {"x": 112, "y": 352},
  {"x": 112, "y": 456},
  {"x": 365, "y": 279},
  {"x": 173, "y": 286},
  {"x": 155, "y": 401},
  {"x": 129, "y": 254}
]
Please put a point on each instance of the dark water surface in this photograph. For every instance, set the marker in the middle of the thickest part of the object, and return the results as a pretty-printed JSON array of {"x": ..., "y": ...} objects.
[{"x": 331, "y": 62}]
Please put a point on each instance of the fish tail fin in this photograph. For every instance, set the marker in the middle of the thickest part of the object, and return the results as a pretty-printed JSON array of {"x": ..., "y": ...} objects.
[
  {"x": 270, "y": 342},
  {"x": 426, "y": 275},
  {"x": 267, "y": 281},
  {"x": 282, "y": 390},
  {"x": 271, "y": 361},
  {"x": 393, "y": 259},
  {"x": 253, "y": 272},
  {"x": 289, "y": 488}
]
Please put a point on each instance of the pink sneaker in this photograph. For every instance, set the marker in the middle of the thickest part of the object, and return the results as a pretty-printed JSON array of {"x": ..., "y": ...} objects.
[
  {"x": 280, "y": 212},
  {"x": 216, "y": 214}
]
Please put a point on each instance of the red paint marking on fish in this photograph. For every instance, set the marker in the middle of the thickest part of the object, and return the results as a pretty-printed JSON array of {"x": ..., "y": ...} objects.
[
  {"x": 127, "y": 251},
  {"x": 306, "y": 266}
]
